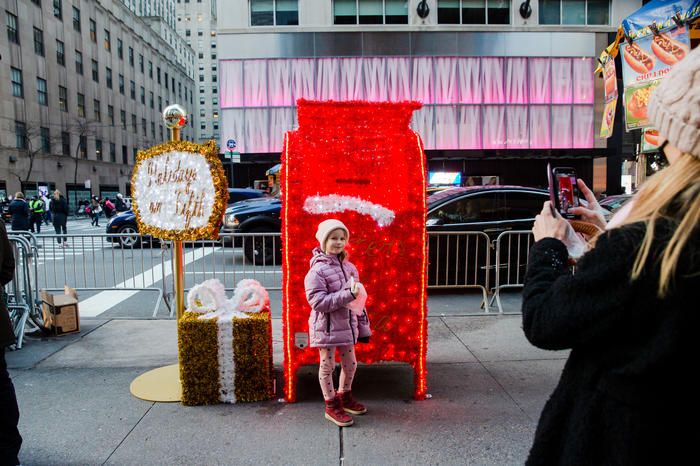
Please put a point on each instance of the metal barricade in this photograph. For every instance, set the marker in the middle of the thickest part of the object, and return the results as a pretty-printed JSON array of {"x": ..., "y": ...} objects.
[
  {"x": 460, "y": 259},
  {"x": 22, "y": 294},
  {"x": 512, "y": 248},
  {"x": 96, "y": 262}
]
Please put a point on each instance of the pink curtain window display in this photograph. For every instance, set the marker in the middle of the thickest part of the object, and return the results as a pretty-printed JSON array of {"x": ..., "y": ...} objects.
[{"x": 469, "y": 102}]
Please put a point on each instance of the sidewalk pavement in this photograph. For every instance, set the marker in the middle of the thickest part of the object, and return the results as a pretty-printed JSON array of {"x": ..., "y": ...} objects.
[{"x": 488, "y": 385}]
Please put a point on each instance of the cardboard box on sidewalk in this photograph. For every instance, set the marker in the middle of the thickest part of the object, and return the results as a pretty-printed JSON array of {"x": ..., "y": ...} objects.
[{"x": 60, "y": 311}]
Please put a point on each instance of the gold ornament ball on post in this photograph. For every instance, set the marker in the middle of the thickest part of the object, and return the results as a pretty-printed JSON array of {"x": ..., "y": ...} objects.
[{"x": 175, "y": 118}]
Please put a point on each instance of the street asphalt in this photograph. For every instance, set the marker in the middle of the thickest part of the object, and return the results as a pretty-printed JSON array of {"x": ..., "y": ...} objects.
[{"x": 487, "y": 387}]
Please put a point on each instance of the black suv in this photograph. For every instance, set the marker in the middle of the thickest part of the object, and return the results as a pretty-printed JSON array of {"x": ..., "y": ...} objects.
[{"x": 488, "y": 209}]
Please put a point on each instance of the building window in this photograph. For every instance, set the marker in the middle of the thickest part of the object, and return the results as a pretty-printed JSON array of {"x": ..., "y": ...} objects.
[
  {"x": 58, "y": 9},
  {"x": 65, "y": 143},
  {"x": 141, "y": 62},
  {"x": 214, "y": 90},
  {"x": 12, "y": 31},
  {"x": 122, "y": 118},
  {"x": 160, "y": 102},
  {"x": 45, "y": 136},
  {"x": 143, "y": 126},
  {"x": 120, "y": 49},
  {"x": 214, "y": 79},
  {"x": 188, "y": 33},
  {"x": 110, "y": 114},
  {"x": 473, "y": 12},
  {"x": 97, "y": 110},
  {"x": 370, "y": 12},
  {"x": 21, "y": 135},
  {"x": 132, "y": 90},
  {"x": 213, "y": 44},
  {"x": 575, "y": 12},
  {"x": 63, "y": 98},
  {"x": 274, "y": 13},
  {"x": 153, "y": 130},
  {"x": 108, "y": 76},
  {"x": 78, "y": 62},
  {"x": 201, "y": 78},
  {"x": 95, "y": 71},
  {"x": 161, "y": 132},
  {"x": 82, "y": 147},
  {"x": 158, "y": 74},
  {"x": 76, "y": 19},
  {"x": 81, "y": 105},
  {"x": 150, "y": 69},
  {"x": 39, "y": 42},
  {"x": 93, "y": 30},
  {"x": 98, "y": 149},
  {"x": 108, "y": 41},
  {"x": 134, "y": 129},
  {"x": 17, "y": 83},
  {"x": 42, "y": 92},
  {"x": 125, "y": 155},
  {"x": 121, "y": 84},
  {"x": 143, "y": 95},
  {"x": 131, "y": 56},
  {"x": 112, "y": 152},
  {"x": 200, "y": 33},
  {"x": 201, "y": 89},
  {"x": 151, "y": 100},
  {"x": 60, "y": 53}
]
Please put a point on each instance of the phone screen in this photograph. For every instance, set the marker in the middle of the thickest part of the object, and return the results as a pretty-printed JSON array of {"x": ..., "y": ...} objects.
[{"x": 566, "y": 191}]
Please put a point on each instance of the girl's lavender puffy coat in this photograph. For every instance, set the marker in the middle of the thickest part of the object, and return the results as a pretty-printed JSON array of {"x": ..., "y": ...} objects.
[{"x": 331, "y": 322}]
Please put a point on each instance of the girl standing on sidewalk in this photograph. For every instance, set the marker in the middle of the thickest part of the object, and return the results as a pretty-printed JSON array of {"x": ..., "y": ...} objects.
[{"x": 331, "y": 284}]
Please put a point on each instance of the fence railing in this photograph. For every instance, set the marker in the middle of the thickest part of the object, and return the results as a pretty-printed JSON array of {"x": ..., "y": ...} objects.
[
  {"x": 22, "y": 292},
  {"x": 511, "y": 255},
  {"x": 123, "y": 261}
]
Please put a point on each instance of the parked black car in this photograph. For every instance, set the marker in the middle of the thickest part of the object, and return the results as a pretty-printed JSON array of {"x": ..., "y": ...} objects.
[
  {"x": 256, "y": 216},
  {"x": 455, "y": 260},
  {"x": 125, "y": 222},
  {"x": 488, "y": 209}
]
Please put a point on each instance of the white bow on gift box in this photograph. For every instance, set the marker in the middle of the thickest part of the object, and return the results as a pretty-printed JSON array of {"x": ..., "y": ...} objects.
[{"x": 209, "y": 299}]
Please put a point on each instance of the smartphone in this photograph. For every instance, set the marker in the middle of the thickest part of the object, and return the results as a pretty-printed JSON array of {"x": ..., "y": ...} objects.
[{"x": 563, "y": 190}]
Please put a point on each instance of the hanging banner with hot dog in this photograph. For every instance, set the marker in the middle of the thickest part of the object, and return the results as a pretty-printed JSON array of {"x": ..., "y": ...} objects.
[
  {"x": 645, "y": 62},
  {"x": 610, "y": 76},
  {"x": 650, "y": 140}
]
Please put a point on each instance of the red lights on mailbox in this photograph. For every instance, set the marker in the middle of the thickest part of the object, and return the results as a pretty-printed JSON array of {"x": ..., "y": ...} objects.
[{"x": 361, "y": 163}]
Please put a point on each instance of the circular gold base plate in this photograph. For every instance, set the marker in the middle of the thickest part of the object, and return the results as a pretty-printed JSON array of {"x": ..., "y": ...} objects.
[{"x": 162, "y": 384}]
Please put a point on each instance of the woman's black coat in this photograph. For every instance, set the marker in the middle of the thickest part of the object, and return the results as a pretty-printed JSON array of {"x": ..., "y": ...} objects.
[
  {"x": 20, "y": 214},
  {"x": 625, "y": 395}
]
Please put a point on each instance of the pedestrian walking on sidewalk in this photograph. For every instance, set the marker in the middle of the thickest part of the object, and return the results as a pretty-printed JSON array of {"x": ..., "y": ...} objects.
[
  {"x": 629, "y": 314},
  {"x": 10, "y": 439},
  {"x": 20, "y": 212},
  {"x": 36, "y": 207},
  {"x": 332, "y": 286},
  {"x": 59, "y": 212},
  {"x": 95, "y": 211},
  {"x": 47, "y": 212}
]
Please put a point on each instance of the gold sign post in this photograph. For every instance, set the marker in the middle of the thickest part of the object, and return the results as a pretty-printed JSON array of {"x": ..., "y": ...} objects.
[{"x": 163, "y": 384}]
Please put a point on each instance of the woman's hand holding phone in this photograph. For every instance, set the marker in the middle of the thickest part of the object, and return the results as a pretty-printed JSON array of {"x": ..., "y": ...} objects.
[
  {"x": 549, "y": 224},
  {"x": 591, "y": 213}
]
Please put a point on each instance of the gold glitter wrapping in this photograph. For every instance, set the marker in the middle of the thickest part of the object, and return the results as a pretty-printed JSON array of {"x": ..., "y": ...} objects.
[
  {"x": 211, "y": 152},
  {"x": 199, "y": 364}
]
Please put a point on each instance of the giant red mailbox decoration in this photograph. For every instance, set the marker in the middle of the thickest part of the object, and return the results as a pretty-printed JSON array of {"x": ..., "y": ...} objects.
[{"x": 361, "y": 163}]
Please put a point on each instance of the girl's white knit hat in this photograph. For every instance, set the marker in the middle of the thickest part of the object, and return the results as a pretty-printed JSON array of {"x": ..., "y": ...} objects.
[
  {"x": 674, "y": 108},
  {"x": 326, "y": 227}
]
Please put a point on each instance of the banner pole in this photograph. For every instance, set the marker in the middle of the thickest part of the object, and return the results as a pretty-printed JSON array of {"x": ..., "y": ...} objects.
[{"x": 178, "y": 269}]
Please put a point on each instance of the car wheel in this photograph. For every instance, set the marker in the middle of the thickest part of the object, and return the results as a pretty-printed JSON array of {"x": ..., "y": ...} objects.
[
  {"x": 129, "y": 241},
  {"x": 262, "y": 250}
]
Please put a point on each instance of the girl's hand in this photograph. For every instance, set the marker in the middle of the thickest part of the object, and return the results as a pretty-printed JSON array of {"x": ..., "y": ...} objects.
[
  {"x": 592, "y": 213},
  {"x": 549, "y": 224}
]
